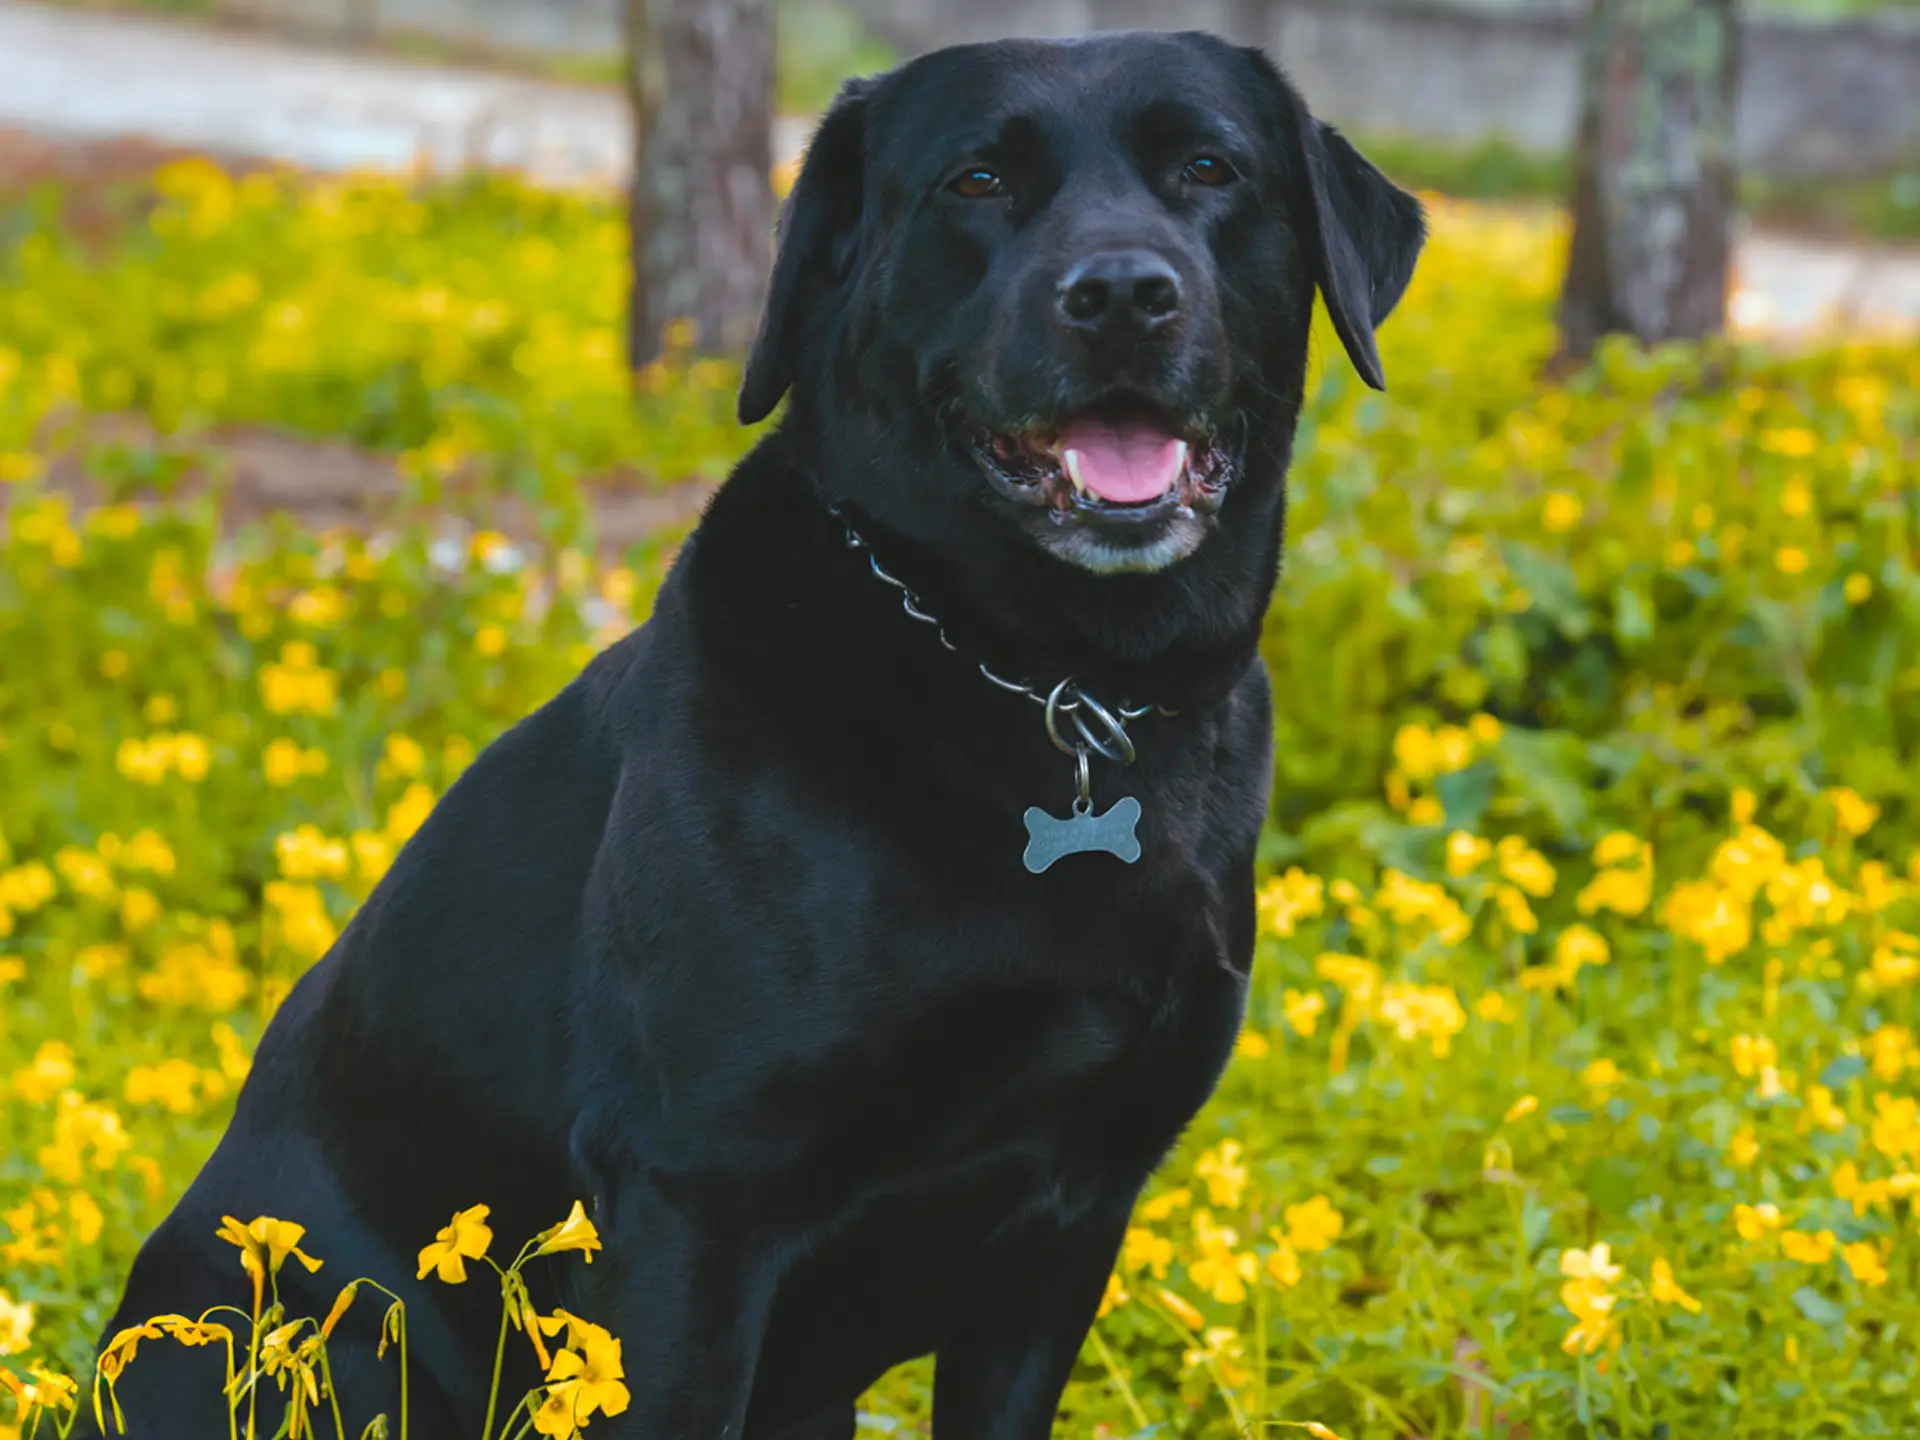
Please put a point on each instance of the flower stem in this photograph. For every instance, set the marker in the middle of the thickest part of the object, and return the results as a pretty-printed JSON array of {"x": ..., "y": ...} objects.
[
  {"x": 1119, "y": 1378},
  {"x": 499, "y": 1360}
]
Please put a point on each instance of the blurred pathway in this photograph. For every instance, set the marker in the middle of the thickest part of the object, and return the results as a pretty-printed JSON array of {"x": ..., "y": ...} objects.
[
  {"x": 80, "y": 75},
  {"x": 87, "y": 75}
]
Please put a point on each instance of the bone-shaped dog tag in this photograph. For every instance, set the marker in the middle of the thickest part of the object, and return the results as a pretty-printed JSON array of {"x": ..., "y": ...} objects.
[{"x": 1050, "y": 839}]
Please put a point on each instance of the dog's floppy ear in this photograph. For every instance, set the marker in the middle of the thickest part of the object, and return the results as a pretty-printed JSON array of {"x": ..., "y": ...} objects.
[
  {"x": 818, "y": 241},
  {"x": 1370, "y": 233},
  {"x": 1366, "y": 231}
]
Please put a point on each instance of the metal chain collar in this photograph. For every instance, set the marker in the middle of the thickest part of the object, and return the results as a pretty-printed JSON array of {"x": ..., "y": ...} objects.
[{"x": 1094, "y": 726}]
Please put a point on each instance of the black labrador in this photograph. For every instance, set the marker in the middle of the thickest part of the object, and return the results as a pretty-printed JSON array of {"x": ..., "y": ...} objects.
[{"x": 857, "y": 936}]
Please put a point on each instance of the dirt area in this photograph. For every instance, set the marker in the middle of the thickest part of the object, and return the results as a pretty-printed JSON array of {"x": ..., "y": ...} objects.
[
  {"x": 321, "y": 484},
  {"x": 330, "y": 484}
]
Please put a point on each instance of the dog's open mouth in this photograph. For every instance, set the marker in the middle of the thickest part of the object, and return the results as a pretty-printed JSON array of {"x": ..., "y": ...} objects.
[{"x": 1116, "y": 462}]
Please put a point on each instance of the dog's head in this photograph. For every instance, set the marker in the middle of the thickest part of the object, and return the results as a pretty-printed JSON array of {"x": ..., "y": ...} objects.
[{"x": 1063, "y": 290}]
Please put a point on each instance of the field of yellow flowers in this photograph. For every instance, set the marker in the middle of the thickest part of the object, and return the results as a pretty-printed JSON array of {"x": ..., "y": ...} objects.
[{"x": 1580, "y": 1094}]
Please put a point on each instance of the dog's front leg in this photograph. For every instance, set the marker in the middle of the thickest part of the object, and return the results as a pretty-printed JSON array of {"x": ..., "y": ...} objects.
[
  {"x": 1001, "y": 1378},
  {"x": 688, "y": 1296}
]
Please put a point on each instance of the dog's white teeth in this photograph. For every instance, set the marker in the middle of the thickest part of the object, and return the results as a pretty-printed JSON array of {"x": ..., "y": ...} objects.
[
  {"x": 1183, "y": 451},
  {"x": 1070, "y": 461}
]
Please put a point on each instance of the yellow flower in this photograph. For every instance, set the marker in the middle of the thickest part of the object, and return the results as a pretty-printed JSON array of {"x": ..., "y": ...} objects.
[
  {"x": 1595, "y": 1264},
  {"x": 1283, "y": 1262},
  {"x": 1853, "y": 814},
  {"x": 1578, "y": 946},
  {"x": 1314, "y": 1225},
  {"x": 266, "y": 1243},
  {"x": 172, "y": 1084},
  {"x": 1515, "y": 910},
  {"x": 1756, "y": 1222},
  {"x": 1587, "y": 1295},
  {"x": 583, "y": 1380},
  {"x": 1591, "y": 1305},
  {"x": 1179, "y": 1308},
  {"x": 1466, "y": 853},
  {"x": 16, "y": 1325},
  {"x": 1217, "y": 1267},
  {"x": 1116, "y": 1295},
  {"x": 49, "y": 1072},
  {"x": 1520, "y": 1109},
  {"x": 119, "y": 1351},
  {"x": 1285, "y": 900},
  {"x": 1752, "y": 1054},
  {"x": 1526, "y": 866},
  {"x": 403, "y": 756},
  {"x": 1496, "y": 1009},
  {"x": 576, "y": 1232},
  {"x": 1221, "y": 1351},
  {"x": 1224, "y": 1175},
  {"x": 1864, "y": 1260},
  {"x": 1303, "y": 1009},
  {"x": 1819, "y": 1112},
  {"x": 465, "y": 1238},
  {"x": 1858, "y": 589},
  {"x": 1408, "y": 902},
  {"x": 1253, "y": 1045},
  {"x": 1895, "y": 1131},
  {"x": 1797, "y": 442},
  {"x": 1161, "y": 1206},
  {"x": 88, "y": 1220},
  {"x": 341, "y": 1303},
  {"x": 1744, "y": 1148},
  {"x": 1619, "y": 847},
  {"x": 1665, "y": 1289},
  {"x": 283, "y": 762},
  {"x": 1142, "y": 1249},
  {"x": 1561, "y": 511},
  {"x": 1413, "y": 751},
  {"x": 409, "y": 813},
  {"x": 1790, "y": 560},
  {"x": 1892, "y": 1052},
  {"x": 47, "y": 1392},
  {"x": 1815, "y": 1248}
]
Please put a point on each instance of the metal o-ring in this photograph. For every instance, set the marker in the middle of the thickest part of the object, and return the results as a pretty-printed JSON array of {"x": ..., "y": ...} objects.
[
  {"x": 1117, "y": 744},
  {"x": 1107, "y": 737}
]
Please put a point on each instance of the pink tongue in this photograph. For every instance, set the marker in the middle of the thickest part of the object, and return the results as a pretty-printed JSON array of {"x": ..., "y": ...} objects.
[{"x": 1126, "y": 463}]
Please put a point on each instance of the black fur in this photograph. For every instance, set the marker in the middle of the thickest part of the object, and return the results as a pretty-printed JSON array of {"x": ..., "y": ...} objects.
[{"x": 732, "y": 939}]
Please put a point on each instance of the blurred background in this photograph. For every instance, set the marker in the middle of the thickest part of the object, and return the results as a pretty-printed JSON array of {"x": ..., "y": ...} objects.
[{"x": 363, "y": 364}]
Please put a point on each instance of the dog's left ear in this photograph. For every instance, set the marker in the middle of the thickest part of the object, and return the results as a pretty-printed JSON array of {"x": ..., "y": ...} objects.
[
  {"x": 1371, "y": 232},
  {"x": 819, "y": 233},
  {"x": 1367, "y": 231}
]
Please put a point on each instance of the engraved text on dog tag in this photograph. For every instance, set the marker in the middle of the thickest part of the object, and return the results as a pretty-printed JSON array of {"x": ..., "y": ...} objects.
[{"x": 1050, "y": 839}]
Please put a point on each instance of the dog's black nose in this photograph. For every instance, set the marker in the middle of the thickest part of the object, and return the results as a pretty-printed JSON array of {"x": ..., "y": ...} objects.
[{"x": 1118, "y": 294}]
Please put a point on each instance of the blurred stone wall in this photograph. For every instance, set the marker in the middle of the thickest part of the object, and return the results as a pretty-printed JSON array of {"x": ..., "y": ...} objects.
[{"x": 1816, "y": 97}]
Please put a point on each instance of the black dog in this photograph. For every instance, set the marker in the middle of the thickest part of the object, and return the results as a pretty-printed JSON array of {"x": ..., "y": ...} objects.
[{"x": 741, "y": 939}]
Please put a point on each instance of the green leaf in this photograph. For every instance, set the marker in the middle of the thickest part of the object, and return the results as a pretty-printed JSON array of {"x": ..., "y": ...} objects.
[
  {"x": 1845, "y": 1068},
  {"x": 1817, "y": 1307},
  {"x": 1465, "y": 794}
]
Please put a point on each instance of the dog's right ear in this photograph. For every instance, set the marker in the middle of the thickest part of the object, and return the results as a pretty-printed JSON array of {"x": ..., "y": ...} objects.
[{"x": 818, "y": 245}]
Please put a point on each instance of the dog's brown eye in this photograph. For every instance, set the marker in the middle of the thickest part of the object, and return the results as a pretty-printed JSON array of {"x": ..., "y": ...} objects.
[
  {"x": 978, "y": 185},
  {"x": 1209, "y": 170}
]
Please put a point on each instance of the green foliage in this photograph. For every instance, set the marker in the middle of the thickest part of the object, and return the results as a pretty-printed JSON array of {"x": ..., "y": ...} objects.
[
  {"x": 1884, "y": 206},
  {"x": 1587, "y": 912}
]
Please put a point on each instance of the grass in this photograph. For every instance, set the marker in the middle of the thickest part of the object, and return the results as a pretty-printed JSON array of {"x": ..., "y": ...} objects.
[{"x": 1578, "y": 1092}]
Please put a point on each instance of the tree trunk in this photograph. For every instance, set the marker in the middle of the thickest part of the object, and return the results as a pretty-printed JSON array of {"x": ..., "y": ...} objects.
[
  {"x": 700, "y": 75},
  {"x": 1653, "y": 186}
]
